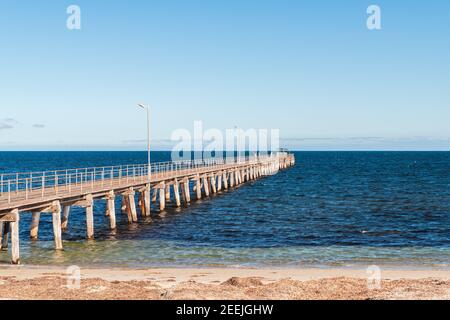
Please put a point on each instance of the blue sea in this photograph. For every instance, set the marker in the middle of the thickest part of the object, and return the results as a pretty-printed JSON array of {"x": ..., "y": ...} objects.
[{"x": 331, "y": 209}]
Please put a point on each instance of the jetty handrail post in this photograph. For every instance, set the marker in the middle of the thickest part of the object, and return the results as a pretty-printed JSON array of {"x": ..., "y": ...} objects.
[
  {"x": 147, "y": 108},
  {"x": 56, "y": 182},
  {"x": 9, "y": 191},
  {"x": 43, "y": 185},
  {"x": 1, "y": 183}
]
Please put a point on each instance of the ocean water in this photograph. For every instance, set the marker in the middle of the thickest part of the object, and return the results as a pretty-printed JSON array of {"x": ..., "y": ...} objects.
[{"x": 330, "y": 209}]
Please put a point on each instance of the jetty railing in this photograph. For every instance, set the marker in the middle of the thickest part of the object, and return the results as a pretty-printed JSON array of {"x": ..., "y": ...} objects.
[{"x": 26, "y": 185}]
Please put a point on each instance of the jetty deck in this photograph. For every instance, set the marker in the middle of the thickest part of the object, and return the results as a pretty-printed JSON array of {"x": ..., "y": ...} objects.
[{"x": 56, "y": 192}]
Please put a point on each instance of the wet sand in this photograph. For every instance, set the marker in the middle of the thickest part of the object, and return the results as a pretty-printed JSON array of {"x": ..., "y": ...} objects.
[{"x": 26, "y": 282}]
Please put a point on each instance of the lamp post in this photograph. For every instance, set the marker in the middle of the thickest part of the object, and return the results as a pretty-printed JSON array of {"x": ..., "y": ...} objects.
[
  {"x": 237, "y": 144},
  {"x": 149, "y": 170}
]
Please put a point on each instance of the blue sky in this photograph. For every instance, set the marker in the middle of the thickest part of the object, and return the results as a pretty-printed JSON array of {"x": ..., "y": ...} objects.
[{"x": 310, "y": 68}]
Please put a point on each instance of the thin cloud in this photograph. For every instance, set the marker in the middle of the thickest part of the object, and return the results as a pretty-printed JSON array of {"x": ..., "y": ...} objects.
[
  {"x": 4, "y": 126},
  {"x": 38, "y": 125},
  {"x": 7, "y": 123},
  {"x": 10, "y": 120}
]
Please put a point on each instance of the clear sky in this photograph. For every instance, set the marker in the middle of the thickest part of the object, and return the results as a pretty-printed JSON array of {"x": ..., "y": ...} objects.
[{"x": 310, "y": 68}]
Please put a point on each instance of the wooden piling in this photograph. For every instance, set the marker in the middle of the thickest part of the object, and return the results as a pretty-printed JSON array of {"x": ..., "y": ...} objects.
[
  {"x": 219, "y": 182},
  {"x": 147, "y": 200},
  {"x": 212, "y": 180},
  {"x": 65, "y": 217},
  {"x": 1, "y": 234},
  {"x": 198, "y": 187},
  {"x": 34, "y": 225},
  {"x": 131, "y": 203},
  {"x": 56, "y": 218},
  {"x": 162, "y": 197},
  {"x": 123, "y": 206},
  {"x": 89, "y": 217},
  {"x": 225, "y": 180},
  {"x": 14, "y": 229},
  {"x": 111, "y": 209},
  {"x": 205, "y": 185},
  {"x": 167, "y": 193},
  {"x": 141, "y": 203},
  {"x": 187, "y": 192},
  {"x": 5, "y": 236},
  {"x": 176, "y": 192}
]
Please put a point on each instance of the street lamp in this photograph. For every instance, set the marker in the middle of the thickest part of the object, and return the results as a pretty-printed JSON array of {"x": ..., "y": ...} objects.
[
  {"x": 237, "y": 144},
  {"x": 149, "y": 170}
]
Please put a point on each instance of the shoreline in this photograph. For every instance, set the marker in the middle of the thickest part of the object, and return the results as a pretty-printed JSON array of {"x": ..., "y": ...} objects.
[
  {"x": 50, "y": 282},
  {"x": 386, "y": 267},
  {"x": 300, "y": 273}
]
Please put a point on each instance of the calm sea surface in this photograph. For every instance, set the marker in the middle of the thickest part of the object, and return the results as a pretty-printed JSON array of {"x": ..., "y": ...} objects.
[{"x": 331, "y": 209}]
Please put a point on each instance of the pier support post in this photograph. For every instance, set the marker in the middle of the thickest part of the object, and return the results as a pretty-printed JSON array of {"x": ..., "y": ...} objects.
[
  {"x": 167, "y": 192},
  {"x": 141, "y": 203},
  {"x": 186, "y": 192},
  {"x": 225, "y": 180},
  {"x": 111, "y": 209},
  {"x": 131, "y": 204},
  {"x": 34, "y": 226},
  {"x": 154, "y": 195},
  {"x": 89, "y": 217},
  {"x": 123, "y": 206},
  {"x": 147, "y": 200},
  {"x": 205, "y": 185},
  {"x": 176, "y": 192},
  {"x": 56, "y": 218},
  {"x": 198, "y": 187},
  {"x": 1, "y": 234},
  {"x": 232, "y": 174},
  {"x": 219, "y": 182},
  {"x": 212, "y": 178},
  {"x": 5, "y": 235},
  {"x": 162, "y": 197},
  {"x": 14, "y": 226},
  {"x": 65, "y": 217}
]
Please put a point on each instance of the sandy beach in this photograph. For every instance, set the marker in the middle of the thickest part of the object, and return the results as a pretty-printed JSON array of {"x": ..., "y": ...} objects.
[{"x": 27, "y": 282}]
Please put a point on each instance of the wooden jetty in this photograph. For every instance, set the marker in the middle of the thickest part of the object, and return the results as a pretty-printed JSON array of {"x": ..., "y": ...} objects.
[{"x": 55, "y": 192}]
